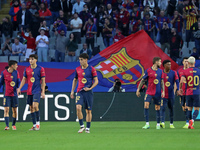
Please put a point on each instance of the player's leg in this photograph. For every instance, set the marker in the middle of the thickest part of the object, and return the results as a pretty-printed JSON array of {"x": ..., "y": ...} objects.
[
  {"x": 79, "y": 103},
  {"x": 14, "y": 105},
  {"x": 171, "y": 111},
  {"x": 147, "y": 100},
  {"x": 157, "y": 101},
  {"x": 33, "y": 118},
  {"x": 6, "y": 104},
  {"x": 88, "y": 120},
  {"x": 196, "y": 105},
  {"x": 189, "y": 104},
  {"x": 36, "y": 102},
  {"x": 185, "y": 110},
  {"x": 162, "y": 112}
]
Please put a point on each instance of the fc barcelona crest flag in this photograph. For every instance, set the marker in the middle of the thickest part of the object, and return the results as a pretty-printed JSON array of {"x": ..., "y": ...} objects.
[{"x": 127, "y": 60}]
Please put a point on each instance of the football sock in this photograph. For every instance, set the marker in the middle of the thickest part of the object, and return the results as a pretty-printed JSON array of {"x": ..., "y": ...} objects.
[
  {"x": 171, "y": 115},
  {"x": 158, "y": 116},
  {"x": 33, "y": 118},
  {"x": 37, "y": 113},
  {"x": 7, "y": 121},
  {"x": 81, "y": 123},
  {"x": 88, "y": 125},
  {"x": 162, "y": 115},
  {"x": 13, "y": 121},
  {"x": 146, "y": 114},
  {"x": 185, "y": 112},
  {"x": 189, "y": 115},
  {"x": 195, "y": 114}
]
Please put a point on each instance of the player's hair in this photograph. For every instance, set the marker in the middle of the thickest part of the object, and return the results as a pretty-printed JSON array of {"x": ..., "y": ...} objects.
[
  {"x": 12, "y": 62},
  {"x": 165, "y": 61},
  {"x": 84, "y": 56},
  {"x": 185, "y": 58},
  {"x": 155, "y": 59},
  {"x": 33, "y": 56}
]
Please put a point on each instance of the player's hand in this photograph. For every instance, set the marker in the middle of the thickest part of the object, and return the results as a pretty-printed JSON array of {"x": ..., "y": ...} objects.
[
  {"x": 72, "y": 95},
  {"x": 180, "y": 92},
  {"x": 138, "y": 93},
  {"x": 87, "y": 89},
  {"x": 163, "y": 94},
  {"x": 43, "y": 95},
  {"x": 18, "y": 92}
]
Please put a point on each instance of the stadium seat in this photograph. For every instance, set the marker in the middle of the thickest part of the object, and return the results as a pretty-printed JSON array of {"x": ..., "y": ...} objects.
[
  {"x": 66, "y": 58},
  {"x": 22, "y": 59},
  {"x": 14, "y": 58},
  {"x": 0, "y": 52},
  {"x": 52, "y": 53},
  {"x": 80, "y": 46},
  {"x": 68, "y": 33},
  {"x": 82, "y": 40},
  {"x": 14, "y": 34},
  {"x": 3, "y": 58}
]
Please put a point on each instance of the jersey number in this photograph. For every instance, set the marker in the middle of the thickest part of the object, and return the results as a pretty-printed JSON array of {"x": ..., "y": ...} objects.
[{"x": 195, "y": 79}]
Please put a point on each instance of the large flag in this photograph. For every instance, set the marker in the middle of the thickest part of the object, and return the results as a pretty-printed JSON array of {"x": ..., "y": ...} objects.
[{"x": 127, "y": 60}]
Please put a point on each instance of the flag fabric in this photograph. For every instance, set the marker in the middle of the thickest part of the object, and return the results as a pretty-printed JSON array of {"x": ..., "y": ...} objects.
[{"x": 127, "y": 60}]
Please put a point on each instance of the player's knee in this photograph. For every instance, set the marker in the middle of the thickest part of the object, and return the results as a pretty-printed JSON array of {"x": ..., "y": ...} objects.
[
  {"x": 88, "y": 112},
  {"x": 78, "y": 108},
  {"x": 6, "y": 111},
  {"x": 157, "y": 107}
]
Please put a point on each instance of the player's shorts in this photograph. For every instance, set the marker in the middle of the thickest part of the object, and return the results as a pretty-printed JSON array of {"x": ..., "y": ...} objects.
[
  {"x": 167, "y": 102},
  {"x": 86, "y": 98},
  {"x": 10, "y": 101},
  {"x": 183, "y": 100},
  {"x": 156, "y": 100},
  {"x": 33, "y": 98},
  {"x": 192, "y": 101}
]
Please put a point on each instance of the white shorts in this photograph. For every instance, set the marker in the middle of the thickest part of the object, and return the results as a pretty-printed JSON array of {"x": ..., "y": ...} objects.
[{"x": 29, "y": 52}]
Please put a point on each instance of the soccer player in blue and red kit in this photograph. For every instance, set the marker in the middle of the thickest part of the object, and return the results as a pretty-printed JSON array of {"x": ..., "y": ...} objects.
[
  {"x": 183, "y": 96},
  {"x": 11, "y": 81},
  {"x": 169, "y": 77},
  {"x": 35, "y": 76},
  {"x": 191, "y": 76},
  {"x": 155, "y": 83},
  {"x": 84, "y": 74}
]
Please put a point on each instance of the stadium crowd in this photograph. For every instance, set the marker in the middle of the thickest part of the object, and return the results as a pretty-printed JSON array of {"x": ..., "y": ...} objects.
[{"x": 37, "y": 21}]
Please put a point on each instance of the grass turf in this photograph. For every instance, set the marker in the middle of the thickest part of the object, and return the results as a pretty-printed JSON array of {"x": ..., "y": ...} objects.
[{"x": 104, "y": 135}]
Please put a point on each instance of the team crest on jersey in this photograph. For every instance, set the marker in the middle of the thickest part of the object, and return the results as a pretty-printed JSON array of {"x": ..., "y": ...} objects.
[
  {"x": 167, "y": 84},
  {"x": 120, "y": 65},
  {"x": 12, "y": 83},
  {"x": 32, "y": 79},
  {"x": 84, "y": 80}
]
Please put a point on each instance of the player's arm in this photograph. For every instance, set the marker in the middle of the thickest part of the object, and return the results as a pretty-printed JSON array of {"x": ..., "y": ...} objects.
[
  {"x": 142, "y": 82},
  {"x": 181, "y": 85},
  {"x": 21, "y": 85},
  {"x": 163, "y": 88},
  {"x": 43, "y": 87},
  {"x": 1, "y": 79},
  {"x": 96, "y": 81},
  {"x": 74, "y": 83}
]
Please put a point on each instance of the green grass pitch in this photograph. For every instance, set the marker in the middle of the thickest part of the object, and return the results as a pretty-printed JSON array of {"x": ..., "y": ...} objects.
[{"x": 104, "y": 136}]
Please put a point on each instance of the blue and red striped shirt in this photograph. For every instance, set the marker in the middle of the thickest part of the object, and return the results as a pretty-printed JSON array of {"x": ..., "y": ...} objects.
[
  {"x": 192, "y": 78},
  {"x": 34, "y": 77},
  {"x": 169, "y": 79},
  {"x": 178, "y": 23},
  {"x": 90, "y": 28},
  {"x": 85, "y": 77},
  {"x": 160, "y": 21},
  {"x": 11, "y": 82},
  {"x": 148, "y": 24},
  {"x": 153, "y": 78},
  {"x": 180, "y": 73}
]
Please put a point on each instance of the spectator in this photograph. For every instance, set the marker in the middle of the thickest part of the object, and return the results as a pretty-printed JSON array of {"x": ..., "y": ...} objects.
[
  {"x": 7, "y": 47},
  {"x": 151, "y": 4},
  {"x": 134, "y": 24},
  {"x": 30, "y": 44},
  {"x": 61, "y": 45},
  {"x": 33, "y": 9},
  {"x": 163, "y": 4},
  {"x": 176, "y": 44},
  {"x": 21, "y": 39},
  {"x": 148, "y": 25},
  {"x": 107, "y": 32},
  {"x": 24, "y": 17},
  {"x": 72, "y": 46},
  {"x": 159, "y": 24},
  {"x": 164, "y": 37},
  {"x": 181, "y": 6},
  {"x": 136, "y": 13},
  {"x": 171, "y": 7},
  {"x": 63, "y": 18},
  {"x": 18, "y": 49},
  {"x": 55, "y": 6},
  {"x": 195, "y": 28},
  {"x": 91, "y": 30},
  {"x": 45, "y": 14},
  {"x": 35, "y": 24},
  {"x": 195, "y": 54},
  {"x": 116, "y": 86},
  {"x": 43, "y": 25},
  {"x": 118, "y": 36},
  {"x": 100, "y": 20},
  {"x": 76, "y": 25},
  {"x": 78, "y": 7},
  {"x": 177, "y": 23},
  {"x": 42, "y": 42},
  {"x": 123, "y": 20},
  {"x": 46, "y": 3},
  {"x": 190, "y": 20},
  {"x": 86, "y": 50},
  {"x": 109, "y": 10},
  {"x": 128, "y": 4},
  {"x": 146, "y": 10},
  {"x": 67, "y": 7},
  {"x": 6, "y": 29},
  {"x": 13, "y": 13},
  {"x": 59, "y": 26}
]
